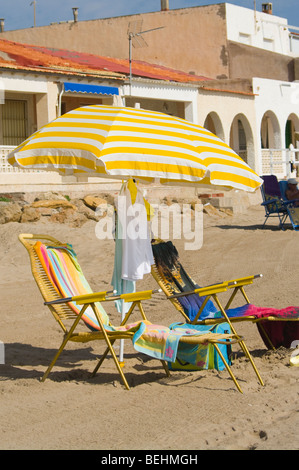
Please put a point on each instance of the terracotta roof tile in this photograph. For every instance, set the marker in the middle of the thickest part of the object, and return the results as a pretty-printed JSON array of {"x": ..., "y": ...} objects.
[
  {"x": 19, "y": 56},
  {"x": 139, "y": 68},
  {"x": 224, "y": 90},
  {"x": 30, "y": 57}
]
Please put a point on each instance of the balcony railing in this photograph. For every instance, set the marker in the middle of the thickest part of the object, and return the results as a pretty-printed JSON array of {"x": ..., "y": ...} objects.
[
  {"x": 279, "y": 162},
  {"x": 5, "y": 167}
]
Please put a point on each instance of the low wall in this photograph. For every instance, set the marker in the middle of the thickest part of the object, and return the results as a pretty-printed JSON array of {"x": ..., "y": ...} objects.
[{"x": 237, "y": 201}]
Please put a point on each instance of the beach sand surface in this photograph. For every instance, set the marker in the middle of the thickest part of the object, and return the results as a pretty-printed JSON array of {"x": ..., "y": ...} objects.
[{"x": 189, "y": 410}]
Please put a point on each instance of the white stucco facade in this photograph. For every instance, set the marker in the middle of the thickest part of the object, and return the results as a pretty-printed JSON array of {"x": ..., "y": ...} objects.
[
  {"x": 258, "y": 29},
  {"x": 276, "y": 104},
  {"x": 162, "y": 94}
]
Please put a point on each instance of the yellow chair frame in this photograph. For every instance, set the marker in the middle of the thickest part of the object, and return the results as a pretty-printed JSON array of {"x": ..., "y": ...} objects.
[
  {"x": 213, "y": 292},
  {"x": 62, "y": 312}
]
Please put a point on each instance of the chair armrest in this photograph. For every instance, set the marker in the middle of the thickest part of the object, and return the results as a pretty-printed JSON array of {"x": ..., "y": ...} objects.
[
  {"x": 271, "y": 201},
  {"x": 217, "y": 288},
  {"x": 84, "y": 298},
  {"x": 135, "y": 296},
  {"x": 203, "y": 291},
  {"x": 288, "y": 202},
  {"x": 102, "y": 297},
  {"x": 243, "y": 281}
]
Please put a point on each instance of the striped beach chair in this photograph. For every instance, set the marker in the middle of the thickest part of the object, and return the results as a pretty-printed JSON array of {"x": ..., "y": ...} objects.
[{"x": 72, "y": 302}]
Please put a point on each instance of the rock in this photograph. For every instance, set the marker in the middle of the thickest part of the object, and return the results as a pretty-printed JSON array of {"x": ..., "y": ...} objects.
[
  {"x": 54, "y": 204},
  {"x": 110, "y": 198},
  {"x": 193, "y": 204},
  {"x": 13, "y": 197},
  {"x": 213, "y": 211},
  {"x": 85, "y": 210},
  {"x": 30, "y": 215},
  {"x": 94, "y": 201},
  {"x": 70, "y": 217},
  {"x": 48, "y": 196},
  {"x": 226, "y": 211},
  {"x": 45, "y": 211},
  {"x": 10, "y": 212}
]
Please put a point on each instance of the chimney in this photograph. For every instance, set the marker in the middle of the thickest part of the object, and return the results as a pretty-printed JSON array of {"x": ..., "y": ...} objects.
[
  {"x": 75, "y": 13},
  {"x": 1, "y": 25},
  {"x": 267, "y": 8},
  {"x": 164, "y": 5}
]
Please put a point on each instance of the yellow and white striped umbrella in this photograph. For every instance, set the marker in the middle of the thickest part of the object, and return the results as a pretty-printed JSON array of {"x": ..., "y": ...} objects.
[{"x": 122, "y": 142}]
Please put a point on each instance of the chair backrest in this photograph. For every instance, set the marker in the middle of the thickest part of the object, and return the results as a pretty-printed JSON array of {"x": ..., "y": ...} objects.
[
  {"x": 272, "y": 196},
  {"x": 173, "y": 279},
  {"x": 58, "y": 275},
  {"x": 271, "y": 185}
]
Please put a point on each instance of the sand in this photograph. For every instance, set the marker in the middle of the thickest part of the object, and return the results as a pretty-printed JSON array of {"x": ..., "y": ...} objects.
[{"x": 188, "y": 411}]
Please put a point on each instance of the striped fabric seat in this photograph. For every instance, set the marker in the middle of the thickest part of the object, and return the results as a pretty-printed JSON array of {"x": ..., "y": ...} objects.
[{"x": 62, "y": 268}]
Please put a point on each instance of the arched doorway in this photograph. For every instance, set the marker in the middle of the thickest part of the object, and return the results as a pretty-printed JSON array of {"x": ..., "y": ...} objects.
[
  {"x": 270, "y": 132},
  {"x": 291, "y": 130},
  {"x": 271, "y": 145},
  {"x": 241, "y": 139},
  {"x": 213, "y": 124}
]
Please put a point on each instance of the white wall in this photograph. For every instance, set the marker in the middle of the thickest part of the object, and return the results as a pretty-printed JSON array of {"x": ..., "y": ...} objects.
[
  {"x": 279, "y": 100},
  {"x": 225, "y": 108},
  {"x": 262, "y": 30},
  {"x": 163, "y": 91},
  {"x": 282, "y": 98},
  {"x": 294, "y": 41}
]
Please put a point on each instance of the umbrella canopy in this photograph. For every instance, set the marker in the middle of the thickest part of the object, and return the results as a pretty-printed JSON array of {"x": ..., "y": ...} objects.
[{"x": 122, "y": 142}]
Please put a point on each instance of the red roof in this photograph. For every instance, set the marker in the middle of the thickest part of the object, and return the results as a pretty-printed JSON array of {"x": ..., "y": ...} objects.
[{"x": 29, "y": 57}]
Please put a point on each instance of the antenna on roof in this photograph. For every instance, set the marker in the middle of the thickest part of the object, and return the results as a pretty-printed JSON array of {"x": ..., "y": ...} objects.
[
  {"x": 34, "y": 15},
  {"x": 136, "y": 40}
]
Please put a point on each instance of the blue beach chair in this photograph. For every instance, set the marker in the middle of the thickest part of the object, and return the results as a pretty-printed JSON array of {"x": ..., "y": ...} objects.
[
  {"x": 273, "y": 202},
  {"x": 276, "y": 203},
  {"x": 291, "y": 206}
]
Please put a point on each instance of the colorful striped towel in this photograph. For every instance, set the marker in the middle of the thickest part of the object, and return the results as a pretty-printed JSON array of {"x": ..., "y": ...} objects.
[
  {"x": 247, "y": 310},
  {"x": 65, "y": 274}
]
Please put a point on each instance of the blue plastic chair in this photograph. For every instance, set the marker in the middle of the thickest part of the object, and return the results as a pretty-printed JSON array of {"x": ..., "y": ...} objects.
[{"x": 273, "y": 201}]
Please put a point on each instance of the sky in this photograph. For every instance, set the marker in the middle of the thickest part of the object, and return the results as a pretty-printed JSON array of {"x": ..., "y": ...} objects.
[{"x": 19, "y": 14}]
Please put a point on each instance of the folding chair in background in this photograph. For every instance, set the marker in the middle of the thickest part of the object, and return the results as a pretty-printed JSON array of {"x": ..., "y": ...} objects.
[
  {"x": 276, "y": 203},
  {"x": 69, "y": 297},
  {"x": 273, "y": 202},
  {"x": 291, "y": 206}
]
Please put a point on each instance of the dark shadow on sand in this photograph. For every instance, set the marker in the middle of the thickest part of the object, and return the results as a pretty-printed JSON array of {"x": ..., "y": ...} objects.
[
  {"x": 24, "y": 361},
  {"x": 254, "y": 227}
]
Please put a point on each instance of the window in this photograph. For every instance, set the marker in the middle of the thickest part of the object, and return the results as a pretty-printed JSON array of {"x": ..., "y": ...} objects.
[
  {"x": 245, "y": 38},
  {"x": 14, "y": 122},
  {"x": 268, "y": 44}
]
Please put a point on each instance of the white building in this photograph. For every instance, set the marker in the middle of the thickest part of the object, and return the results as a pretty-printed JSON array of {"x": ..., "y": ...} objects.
[
  {"x": 261, "y": 29},
  {"x": 256, "y": 115}
]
